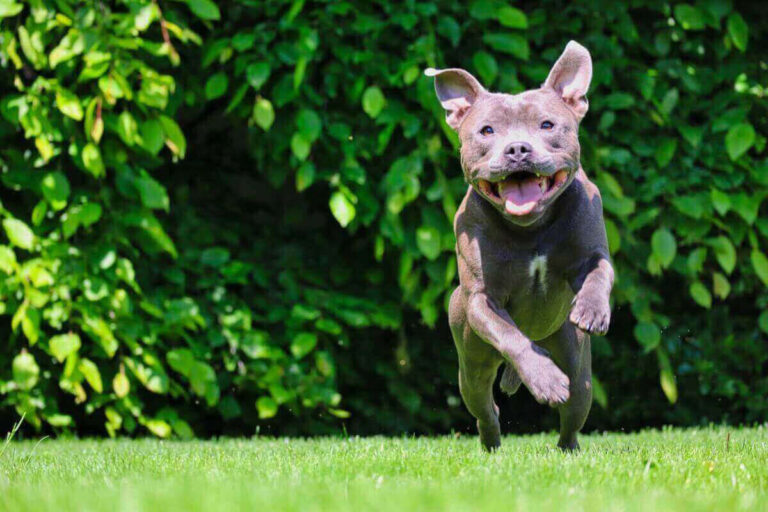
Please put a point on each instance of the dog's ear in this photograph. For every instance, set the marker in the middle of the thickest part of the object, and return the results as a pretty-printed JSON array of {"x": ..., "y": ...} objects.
[
  {"x": 457, "y": 90},
  {"x": 570, "y": 77}
]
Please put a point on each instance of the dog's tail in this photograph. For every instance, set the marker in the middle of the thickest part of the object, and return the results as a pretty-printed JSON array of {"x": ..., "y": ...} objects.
[{"x": 510, "y": 380}]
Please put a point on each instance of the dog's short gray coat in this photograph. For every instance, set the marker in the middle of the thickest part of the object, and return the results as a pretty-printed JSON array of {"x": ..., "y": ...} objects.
[{"x": 533, "y": 285}]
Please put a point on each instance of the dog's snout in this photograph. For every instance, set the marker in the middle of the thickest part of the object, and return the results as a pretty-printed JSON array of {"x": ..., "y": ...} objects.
[{"x": 518, "y": 151}]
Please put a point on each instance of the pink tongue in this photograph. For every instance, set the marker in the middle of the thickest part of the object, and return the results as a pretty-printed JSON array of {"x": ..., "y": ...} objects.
[{"x": 520, "y": 196}]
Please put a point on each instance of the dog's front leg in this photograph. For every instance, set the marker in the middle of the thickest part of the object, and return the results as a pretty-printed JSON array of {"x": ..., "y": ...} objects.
[
  {"x": 546, "y": 382},
  {"x": 591, "y": 310}
]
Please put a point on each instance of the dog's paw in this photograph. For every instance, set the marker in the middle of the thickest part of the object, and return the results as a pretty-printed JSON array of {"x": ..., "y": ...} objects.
[
  {"x": 591, "y": 314},
  {"x": 546, "y": 382}
]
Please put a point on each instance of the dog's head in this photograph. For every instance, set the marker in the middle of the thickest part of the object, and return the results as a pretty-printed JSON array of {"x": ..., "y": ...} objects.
[{"x": 519, "y": 151}]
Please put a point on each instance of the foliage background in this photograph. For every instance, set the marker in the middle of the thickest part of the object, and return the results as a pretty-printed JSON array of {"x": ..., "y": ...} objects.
[{"x": 221, "y": 219}]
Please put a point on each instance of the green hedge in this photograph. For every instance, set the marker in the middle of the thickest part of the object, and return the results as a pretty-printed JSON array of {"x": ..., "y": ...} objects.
[{"x": 225, "y": 218}]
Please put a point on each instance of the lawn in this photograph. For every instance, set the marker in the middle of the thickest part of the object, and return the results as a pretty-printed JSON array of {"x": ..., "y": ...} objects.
[{"x": 694, "y": 469}]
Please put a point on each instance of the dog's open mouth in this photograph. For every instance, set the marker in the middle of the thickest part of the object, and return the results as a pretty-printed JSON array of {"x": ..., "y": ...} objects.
[{"x": 521, "y": 191}]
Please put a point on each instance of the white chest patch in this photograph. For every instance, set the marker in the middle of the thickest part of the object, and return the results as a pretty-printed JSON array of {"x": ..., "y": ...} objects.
[{"x": 537, "y": 270}]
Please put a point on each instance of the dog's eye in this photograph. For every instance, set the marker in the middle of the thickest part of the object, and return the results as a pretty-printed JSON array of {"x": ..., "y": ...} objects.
[
  {"x": 486, "y": 130},
  {"x": 547, "y": 125}
]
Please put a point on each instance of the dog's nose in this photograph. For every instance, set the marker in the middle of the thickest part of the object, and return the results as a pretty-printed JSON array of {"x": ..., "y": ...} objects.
[{"x": 518, "y": 151}]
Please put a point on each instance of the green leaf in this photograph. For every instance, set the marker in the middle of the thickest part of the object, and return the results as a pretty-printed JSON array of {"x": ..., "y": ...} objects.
[
  {"x": 664, "y": 246},
  {"x": 91, "y": 373},
  {"x": 373, "y": 101},
  {"x": 614, "y": 236},
  {"x": 215, "y": 256},
  {"x": 506, "y": 42},
  {"x": 446, "y": 27},
  {"x": 669, "y": 101},
  {"x": 25, "y": 370},
  {"x": 98, "y": 329},
  {"x": 721, "y": 201},
  {"x": 309, "y": 124},
  {"x": 127, "y": 128},
  {"x": 153, "y": 194},
  {"x": 70, "y": 45},
  {"x": 7, "y": 259},
  {"x": 59, "y": 420},
  {"x": 216, "y": 86},
  {"x": 342, "y": 208},
  {"x": 648, "y": 334},
  {"x": 182, "y": 360},
  {"x": 691, "y": 205},
  {"x": 121, "y": 385},
  {"x": 19, "y": 233},
  {"x": 92, "y": 160},
  {"x": 512, "y": 17},
  {"x": 94, "y": 126},
  {"x": 762, "y": 321},
  {"x": 55, "y": 189},
  {"x": 689, "y": 17},
  {"x": 700, "y": 294},
  {"x": 303, "y": 343},
  {"x": 39, "y": 212},
  {"x": 747, "y": 207},
  {"x": 619, "y": 101},
  {"x": 300, "y": 146},
  {"x": 305, "y": 176},
  {"x": 486, "y": 66},
  {"x": 725, "y": 253},
  {"x": 9, "y": 8},
  {"x": 720, "y": 285},
  {"x": 151, "y": 375},
  {"x": 267, "y": 407},
  {"x": 30, "y": 324},
  {"x": 483, "y": 9},
  {"x": 263, "y": 113},
  {"x": 33, "y": 47},
  {"x": 739, "y": 139},
  {"x": 667, "y": 376},
  {"x": 204, "y": 9},
  {"x": 598, "y": 392},
  {"x": 174, "y": 137},
  {"x": 760, "y": 264},
  {"x": 160, "y": 428},
  {"x": 257, "y": 74},
  {"x": 152, "y": 136},
  {"x": 665, "y": 151},
  {"x": 738, "y": 30},
  {"x": 69, "y": 104},
  {"x": 63, "y": 345},
  {"x": 145, "y": 16},
  {"x": 428, "y": 241}
]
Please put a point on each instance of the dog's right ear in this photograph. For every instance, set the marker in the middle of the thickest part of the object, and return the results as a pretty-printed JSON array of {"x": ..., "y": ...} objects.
[{"x": 457, "y": 90}]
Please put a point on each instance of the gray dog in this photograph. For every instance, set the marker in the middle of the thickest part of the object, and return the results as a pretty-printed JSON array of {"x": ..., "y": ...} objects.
[{"x": 534, "y": 269}]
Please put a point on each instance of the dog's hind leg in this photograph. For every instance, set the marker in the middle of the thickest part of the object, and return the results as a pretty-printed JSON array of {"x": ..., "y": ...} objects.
[
  {"x": 478, "y": 365},
  {"x": 570, "y": 349},
  {"x": 476, "y": 386}
]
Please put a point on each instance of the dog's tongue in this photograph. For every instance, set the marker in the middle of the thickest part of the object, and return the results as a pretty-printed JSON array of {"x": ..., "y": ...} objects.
[{"x": 520, "y": 196}]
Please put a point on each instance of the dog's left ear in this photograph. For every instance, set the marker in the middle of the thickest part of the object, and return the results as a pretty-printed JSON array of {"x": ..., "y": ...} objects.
[
  {"x": 457, "y": 90},
  {"x": 570, "y": 77}
]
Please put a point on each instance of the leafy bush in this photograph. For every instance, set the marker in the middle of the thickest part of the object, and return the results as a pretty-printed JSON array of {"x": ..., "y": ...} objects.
[{"x": 223, "y": 217}]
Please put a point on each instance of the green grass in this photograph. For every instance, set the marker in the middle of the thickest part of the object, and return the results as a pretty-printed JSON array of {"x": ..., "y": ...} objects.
[{"x": 694, "y": 469}]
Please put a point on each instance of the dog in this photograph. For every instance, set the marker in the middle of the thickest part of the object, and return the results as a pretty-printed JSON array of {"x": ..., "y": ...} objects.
[{"x": 534, "y": 269}]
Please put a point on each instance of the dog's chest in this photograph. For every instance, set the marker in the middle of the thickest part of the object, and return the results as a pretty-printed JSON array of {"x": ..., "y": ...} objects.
[
  {"x": 537, "y": 272},
  {"x": 538, "y": 296}
]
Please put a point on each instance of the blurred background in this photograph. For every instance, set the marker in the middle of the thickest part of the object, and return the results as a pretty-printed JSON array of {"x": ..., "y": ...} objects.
[{"x": 222, "y": 218}]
